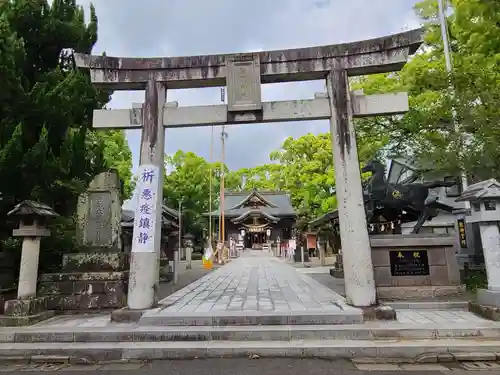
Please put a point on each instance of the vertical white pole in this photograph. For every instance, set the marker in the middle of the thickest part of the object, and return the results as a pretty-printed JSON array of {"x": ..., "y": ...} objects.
[{"x": 449, "y": 69}]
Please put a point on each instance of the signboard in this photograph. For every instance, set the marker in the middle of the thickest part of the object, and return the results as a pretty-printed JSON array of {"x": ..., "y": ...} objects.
[
  {"x": 462, "y": 235},
  {"x": 409, "y": 263},
  {"x": 145, "y": 211}
]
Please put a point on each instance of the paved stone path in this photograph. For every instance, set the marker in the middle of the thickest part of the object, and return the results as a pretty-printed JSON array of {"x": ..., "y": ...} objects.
[
  {"x": 255, "y": 288},
  {"x": 254, "y": 282},
  {"x": 258, "y": 284}
]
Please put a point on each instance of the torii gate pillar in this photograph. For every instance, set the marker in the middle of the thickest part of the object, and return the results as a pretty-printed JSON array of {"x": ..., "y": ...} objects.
[
  {"x": 244, "y": 74},
  {"x": 146, "y": 244},
  {"x": 356, "y": 250}
]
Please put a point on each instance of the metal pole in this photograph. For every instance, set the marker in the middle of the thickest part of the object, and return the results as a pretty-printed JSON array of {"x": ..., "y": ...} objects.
[
  {"x": 449, "y": 69},
  {"x": 177, "y": 252}
]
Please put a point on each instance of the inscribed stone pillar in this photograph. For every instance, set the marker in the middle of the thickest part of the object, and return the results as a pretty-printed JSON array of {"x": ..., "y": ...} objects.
[
  {"x": 99, "y": 213},
  {"x": 357, "y": 260},
  {"x": 95, "y": 277}
]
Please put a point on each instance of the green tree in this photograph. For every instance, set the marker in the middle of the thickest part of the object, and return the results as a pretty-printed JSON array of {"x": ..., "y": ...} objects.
[
  {"x": 47, "y": 152},
  {"x": 189, "y": 182},
  {"x": 427, "y": 131},
  {"x": 117, "y": 155},
  {"x": 307, "y": 171}
]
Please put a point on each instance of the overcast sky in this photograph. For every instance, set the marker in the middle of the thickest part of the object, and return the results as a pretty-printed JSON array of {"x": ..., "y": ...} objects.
[{"x": 193, "y": 27}]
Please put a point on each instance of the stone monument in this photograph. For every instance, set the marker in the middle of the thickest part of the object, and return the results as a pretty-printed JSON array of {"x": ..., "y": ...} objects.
[
  {"x": 95, "y": 277},
  {"x": 485, "y": 210},
  {"x": 29, "y": 308}
]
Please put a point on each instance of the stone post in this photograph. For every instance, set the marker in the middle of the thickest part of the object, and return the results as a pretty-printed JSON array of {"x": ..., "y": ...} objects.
[
  {"x": 485, "y": 201},
  {"x": 144, "y": 262},
  {"x": 188, "y": 246},
  {"x": 31, "y": 230},
  {"x": 322, "y": 255},
  {"x": 358, "y": 267},
  {"x": 28, "y": 272},
  {"x": 28, "y": 308}
]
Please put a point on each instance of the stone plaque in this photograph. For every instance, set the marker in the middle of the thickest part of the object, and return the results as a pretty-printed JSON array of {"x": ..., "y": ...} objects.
[
  {"x": 98, "y": 228},
  {"x": 409, "y": 263},
  {"x": 243, "y": 83}
]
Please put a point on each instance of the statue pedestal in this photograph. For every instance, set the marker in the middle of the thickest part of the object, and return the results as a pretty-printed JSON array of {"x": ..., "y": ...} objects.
[
  {"x": 88, "y": 281},
  {"x": 415, "y": 266}
]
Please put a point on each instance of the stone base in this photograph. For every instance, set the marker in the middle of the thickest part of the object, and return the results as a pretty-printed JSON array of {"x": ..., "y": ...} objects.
[
  {"x": 488, "y": 297},
  {"x": 26, "y": 307},
  {"x": 379, "y": 313},
  {"x": 399, "y": 293},
  {"x": 22, "y": 312},
  {"x": 96, "y": 260},
  {"x": 127, "y": 315},
  {"x": 17, "y": 321},
  {"x": 487, "y": 312},
  {"x": 6, "y": 295},
  {"x": 337, "y": 273},
  {"x": 85, "y": 291}
]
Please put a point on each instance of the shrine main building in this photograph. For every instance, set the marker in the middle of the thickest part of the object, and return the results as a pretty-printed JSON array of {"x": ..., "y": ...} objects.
[{"x": 257, "y": 217}]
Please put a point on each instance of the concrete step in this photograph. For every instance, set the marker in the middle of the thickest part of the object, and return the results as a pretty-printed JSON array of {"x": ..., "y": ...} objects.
[
  {"x": 133, "y": 333},
  {"x": 338, "y": 315},
  {"x": 429, "y": 305},
  {"x": 402, "y": 350}
]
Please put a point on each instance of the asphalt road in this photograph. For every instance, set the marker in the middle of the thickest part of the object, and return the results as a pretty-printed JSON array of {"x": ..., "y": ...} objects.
[{"x": 234, "y": 366}]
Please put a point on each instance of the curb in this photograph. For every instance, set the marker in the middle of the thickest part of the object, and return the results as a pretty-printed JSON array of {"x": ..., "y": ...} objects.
[
  {"x": 421, "y": 351},
  {"x": 253, "y": 333}
]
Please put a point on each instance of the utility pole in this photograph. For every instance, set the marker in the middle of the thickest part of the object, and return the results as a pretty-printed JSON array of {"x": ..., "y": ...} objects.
[{"x": 449, "y": 69}]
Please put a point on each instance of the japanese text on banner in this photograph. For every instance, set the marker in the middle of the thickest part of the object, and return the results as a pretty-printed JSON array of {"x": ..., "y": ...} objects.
[{"x": 145, "y": 212}]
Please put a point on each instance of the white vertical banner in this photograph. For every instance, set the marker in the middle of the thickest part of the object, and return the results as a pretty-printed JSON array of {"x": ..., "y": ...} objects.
[{"x": 145, "y": 210}]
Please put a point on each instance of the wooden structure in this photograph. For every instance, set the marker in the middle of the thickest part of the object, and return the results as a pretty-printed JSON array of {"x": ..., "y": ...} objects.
[{"x": 257, "y": 218}]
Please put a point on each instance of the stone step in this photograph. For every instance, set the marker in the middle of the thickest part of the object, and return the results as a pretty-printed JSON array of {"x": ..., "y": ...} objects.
[
  {"x": 407, "y": 350},
  {"x": 374, "y": 331},
  {"x": 163, "y": 317},
  {"x": 428, "y": 305}
]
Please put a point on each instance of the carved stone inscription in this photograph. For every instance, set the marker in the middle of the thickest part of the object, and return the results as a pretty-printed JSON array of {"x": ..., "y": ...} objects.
[
  {"x": 98, "y": 228},
  {"x": 243, "y": 83}
]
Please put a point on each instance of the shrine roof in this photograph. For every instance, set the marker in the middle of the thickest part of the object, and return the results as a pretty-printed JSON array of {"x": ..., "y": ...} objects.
[
  {"x": 28, "y": 207},
  {"x": 279, "y": 203}
]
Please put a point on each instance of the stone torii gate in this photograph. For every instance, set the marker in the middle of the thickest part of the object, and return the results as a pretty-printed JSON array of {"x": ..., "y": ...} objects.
[{"x": 243, "y": 75}]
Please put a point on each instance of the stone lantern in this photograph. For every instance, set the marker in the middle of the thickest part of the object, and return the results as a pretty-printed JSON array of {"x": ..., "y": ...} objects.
[
  {"x": 33, "y": 218},
  {"x": 188, "y": 246},
  {"x": 485, "y": 210}
]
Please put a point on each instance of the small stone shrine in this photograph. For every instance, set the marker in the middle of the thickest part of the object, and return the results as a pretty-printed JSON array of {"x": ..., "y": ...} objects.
[
  {"x": 97, "y": 276},
  {"x": 485, "y": 202},
  {"x": 415, "y": 266},
  {"x": 29, "y": 308}
]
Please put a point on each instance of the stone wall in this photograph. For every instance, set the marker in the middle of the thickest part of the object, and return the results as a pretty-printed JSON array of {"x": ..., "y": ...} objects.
[{"x": 88, "y": 281}]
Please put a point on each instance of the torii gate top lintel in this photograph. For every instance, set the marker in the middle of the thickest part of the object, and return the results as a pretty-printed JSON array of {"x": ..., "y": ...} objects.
[{"x": 379, "y": 55}]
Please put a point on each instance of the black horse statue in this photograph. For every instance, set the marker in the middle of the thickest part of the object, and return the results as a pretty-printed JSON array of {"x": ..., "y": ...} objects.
[{"x": 397, "y": 200}]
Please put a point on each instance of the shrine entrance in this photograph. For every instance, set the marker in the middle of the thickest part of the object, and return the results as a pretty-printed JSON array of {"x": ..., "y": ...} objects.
[{"x": 243, "y": 75}]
